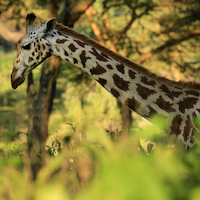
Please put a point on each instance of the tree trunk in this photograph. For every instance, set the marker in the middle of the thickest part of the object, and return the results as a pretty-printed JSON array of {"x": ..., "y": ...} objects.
[
  {"x": 41, "y": 110},
  {"x": 42, "y": 106},
  {"x": 126, "y": 117}
]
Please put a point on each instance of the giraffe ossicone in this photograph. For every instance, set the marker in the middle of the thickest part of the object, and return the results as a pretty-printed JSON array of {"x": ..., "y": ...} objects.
[{"x": 177, "y": 103}]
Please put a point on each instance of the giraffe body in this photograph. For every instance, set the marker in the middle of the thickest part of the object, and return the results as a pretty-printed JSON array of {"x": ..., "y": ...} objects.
[{"x": 177, "y": 103}]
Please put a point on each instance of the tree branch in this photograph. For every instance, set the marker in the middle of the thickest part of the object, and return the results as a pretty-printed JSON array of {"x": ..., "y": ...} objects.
[
  {"x": 126, "y": 28},
  {"x": 101, "y": 23},
  {"x": 94, "y": 26},
  {"x": 169, "y": 43}
]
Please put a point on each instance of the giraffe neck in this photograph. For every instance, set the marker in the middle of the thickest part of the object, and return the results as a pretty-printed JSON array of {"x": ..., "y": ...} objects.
[
  {"x": 132, "y": 85},
  {"x": 129, "y": 86}
]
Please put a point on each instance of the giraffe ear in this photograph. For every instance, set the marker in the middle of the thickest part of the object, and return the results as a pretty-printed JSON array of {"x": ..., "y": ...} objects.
[{"x": 50, "y": 26}]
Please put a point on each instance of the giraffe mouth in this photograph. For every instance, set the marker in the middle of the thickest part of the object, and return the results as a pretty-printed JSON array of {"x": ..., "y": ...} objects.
[{"x": 17, "y": 82}]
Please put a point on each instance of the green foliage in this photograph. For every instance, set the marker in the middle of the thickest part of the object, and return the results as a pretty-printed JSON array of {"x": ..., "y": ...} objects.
[
  {"x": 11, "y": 116},
  {"x": 88, "y": 165}
]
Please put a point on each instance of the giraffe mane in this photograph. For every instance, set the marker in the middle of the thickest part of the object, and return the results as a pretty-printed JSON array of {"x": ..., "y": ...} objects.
[{"x": 125, "y": 61}]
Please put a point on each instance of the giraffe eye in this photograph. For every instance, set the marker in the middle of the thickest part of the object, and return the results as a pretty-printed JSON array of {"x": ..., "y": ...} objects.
[{"x": 27, "y": 46}]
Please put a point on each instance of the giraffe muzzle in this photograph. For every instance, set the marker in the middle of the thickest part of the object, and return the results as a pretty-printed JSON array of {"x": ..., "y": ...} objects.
[{"x": 15, "y": 83}]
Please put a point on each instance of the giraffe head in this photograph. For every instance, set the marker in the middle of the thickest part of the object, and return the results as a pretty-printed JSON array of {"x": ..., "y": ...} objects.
[{"x": 32, "y": 49}]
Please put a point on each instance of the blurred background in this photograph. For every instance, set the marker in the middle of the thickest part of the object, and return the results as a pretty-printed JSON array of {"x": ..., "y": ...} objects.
[{"x": 163, "y": 36}]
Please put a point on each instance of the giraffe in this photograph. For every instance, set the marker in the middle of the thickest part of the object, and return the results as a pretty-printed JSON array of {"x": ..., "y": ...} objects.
[{"x": 177, "y": 103}]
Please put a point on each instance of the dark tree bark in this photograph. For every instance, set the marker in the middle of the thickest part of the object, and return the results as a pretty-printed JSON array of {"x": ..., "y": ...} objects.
[
  {"x": 126, "y": 117},
  {"x": 73, "y": 10},
  {"x": 41, "y": 109}
]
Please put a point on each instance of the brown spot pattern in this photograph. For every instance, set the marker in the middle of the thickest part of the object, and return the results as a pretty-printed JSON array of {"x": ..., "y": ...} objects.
[
  {"x": 120, "y": 82},
  {"x": 58, "y": 50},
  {"x": 80, "y": 43},
  {"x": 59, "y": 33},
  {"x": 192, "y": 92},
  {"x": 170, "y": 94},
  {"x": 115, "y": 93},
  {"x": 97, "y": 70},
  {"x": 84, "y": 58},
  {"x": 146, "y": 81},
  {"x": 105, "y": 55},
  {"x": 109, "y": 67},
  {"x": 43, "y": 47},
  {"x": 187, "y": 103},
  {"x": 98, "y": 56},
  {"x": 75, "y": 61},
  {"x": 187, "y": 129},
  {"x": 144, "y": 92},
  {"x": 175, "y": 126},
  {"x": 60, "y": 41},
  {"x": 102, "y": 81},
  {"x": 131, "y": 74},
  {"x": 133, "y": 104},
  {"x": 72, "y": 47},
  {"x": 120, "y": 68},
  {"x": 164, "y": 105},
  {"x": 65, "y": 52},
  {"x": 30, "y": 59}
]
